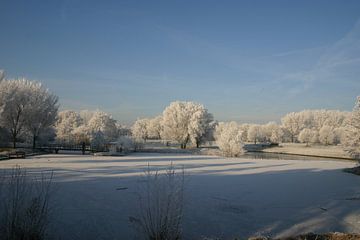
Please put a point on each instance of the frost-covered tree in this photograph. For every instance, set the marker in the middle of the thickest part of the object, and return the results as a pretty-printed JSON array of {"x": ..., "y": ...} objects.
[
  {"x": 102, "y": 128},
  {"x": 14, "y": 103},
  {"x": 272, "y": 132},
  {"x": 66, "y": 124},
  {"x": 139, "y": 130},
  {"x": 339, "y": 134},
  {"x": 123, "y": 130},
  {"x": 82, "y": 134},
  {"x": 16, "y": 98},
  {"x": 26, "y": 106},
  {"x": 184, "y": 122},
  {"x": 228, "y": 138},
  {"x": 125, "y": 143},
  {"x": 244, "y": 131},
  {"x": 42, "y": 113},
  {"x": 2, "y": 75},
  {"x": 255, "y": 133},
  {"x": 155, "y": 127},
  {"x": 277, "y": 135},
  {"x": 201, "y": 125},
  {"x": 326, "y": 135},
  {"x": 86, "y": 115},
  {"x": 306, "y": 136},
  {"x": 293, "y": 124},
  {"x": 351, "y": 140}
]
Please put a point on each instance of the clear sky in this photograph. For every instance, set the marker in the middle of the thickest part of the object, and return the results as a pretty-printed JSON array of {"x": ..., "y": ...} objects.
[{"x": 248, "y": 61}]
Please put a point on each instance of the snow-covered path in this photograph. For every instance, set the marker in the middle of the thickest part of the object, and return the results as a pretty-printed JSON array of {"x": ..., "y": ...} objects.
[{"x": 225, "y": 197}]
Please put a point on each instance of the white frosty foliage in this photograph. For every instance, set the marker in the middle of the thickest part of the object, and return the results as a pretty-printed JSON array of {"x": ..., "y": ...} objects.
[
  {"x": 255, "y": 133},
  {"x": 26, "y": 105},
  {"x": 326, "y": 135},
  {"x": 184, "y": 122},
  {"x": 66, "y": 124},
  {"x": 351, "y": 140},
  {"x": 228, "y": 138},
  {"x": 155, "y": 128},
  {"x": 307, "y": 136},
  {"x": 102, "y": 128},
  {"x": 139, "y": 130}
]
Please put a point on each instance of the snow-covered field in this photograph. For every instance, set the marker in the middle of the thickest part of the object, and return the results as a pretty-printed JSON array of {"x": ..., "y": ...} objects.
[
  {"x": 225, "y": 197},
  {"x": 315, "y": 150}
]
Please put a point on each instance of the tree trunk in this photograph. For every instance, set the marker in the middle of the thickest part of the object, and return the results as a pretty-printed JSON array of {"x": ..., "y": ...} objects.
[
  {"x": 34, "y": 141},
  {"x": 186, "y": 141},
  {"x": 14, "y": 140}
]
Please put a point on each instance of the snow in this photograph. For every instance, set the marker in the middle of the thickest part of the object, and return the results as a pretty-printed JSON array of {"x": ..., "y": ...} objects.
[
  {"x": 225, "y": 197},
  {"x": 314, "y": 150}
]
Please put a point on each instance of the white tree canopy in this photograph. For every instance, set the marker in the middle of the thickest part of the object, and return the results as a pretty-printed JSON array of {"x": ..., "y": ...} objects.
[
  {"x": 26, "y": 105},
  {"x": 66, "y": 124},
  {"x": 351, "y": 140},
  {"x": 43, "y": 111},
  {"x": 155, "y": 128},
  {"x": 306, "y": 136},
  {"x": 228, "y": 138},
  {"x": 102, "y": 128},
  {"x": 140, "y": 129},
  {"x": 184, "y": 122}
]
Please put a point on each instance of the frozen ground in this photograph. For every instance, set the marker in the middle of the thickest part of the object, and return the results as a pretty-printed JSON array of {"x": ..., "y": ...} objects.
[{"x": 224, "y": 197}]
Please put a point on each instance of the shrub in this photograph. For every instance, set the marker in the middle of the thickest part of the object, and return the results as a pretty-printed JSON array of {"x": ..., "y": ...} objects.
[
  {"x": 161, "y": 205},
  {"x": 25, "y": 209}
]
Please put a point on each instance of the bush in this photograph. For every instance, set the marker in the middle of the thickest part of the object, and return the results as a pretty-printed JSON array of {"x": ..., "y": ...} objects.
[{"x": 228, "y": 138}]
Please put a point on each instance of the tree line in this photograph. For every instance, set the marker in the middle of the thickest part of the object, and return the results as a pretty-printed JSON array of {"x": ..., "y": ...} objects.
[{"x": 30, "y": 113}]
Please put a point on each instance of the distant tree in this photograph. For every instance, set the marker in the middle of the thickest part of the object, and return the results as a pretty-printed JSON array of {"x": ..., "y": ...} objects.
[
  {"x": 184, "y": 122},
  {"x": 292, "y": 123},
  {"x": 277, "y": 135},
  {"x": 306, "y": 135},
  {"x": 82, "y": 134},
  {"x": 66, "y": 124},
  {"x": 155, "y": 128},
  {"x": 339, "y": 134},
  {"x": 2, "y": 75},
  {"x": 140, "y": 130},
  {"x": 86, "y": 115},
  {"x": 351, "y": 140},
  {"x": 326, "y": 135},
  {"x": 102, "y": 128},
  {"x": 244, "y": 131},
  {"x": 228, "y": 138},
  {"x": 255, "y": 133},
  {"x": 125, "y": 143},
  {"x": 123, "y": 130}
]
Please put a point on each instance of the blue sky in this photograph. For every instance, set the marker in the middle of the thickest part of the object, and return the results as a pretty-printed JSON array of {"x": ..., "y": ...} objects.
[{"x": 248, "y": 61}]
